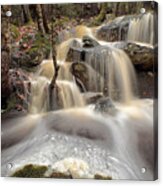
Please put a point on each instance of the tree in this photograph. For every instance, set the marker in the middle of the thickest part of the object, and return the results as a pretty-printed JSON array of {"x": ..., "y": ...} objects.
[
  {"x": 102, "y": 15},
  {"x": 26, "y": 13},
  {"x": 40, "y": 19},
  {"x": 44, "y": 17}
]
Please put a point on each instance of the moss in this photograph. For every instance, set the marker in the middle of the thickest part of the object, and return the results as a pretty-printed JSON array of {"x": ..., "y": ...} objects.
[
  {"x": 31, "y": 171},
  {"x": 60, "y": 175},
  {"x": 15, "y": 31},
  {"x": 102, "y": 177},
  {"x": 11, "y": 102}
]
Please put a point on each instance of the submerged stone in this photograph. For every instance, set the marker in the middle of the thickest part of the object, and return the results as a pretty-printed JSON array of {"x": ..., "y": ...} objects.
[{"x": 105, "y": 105}]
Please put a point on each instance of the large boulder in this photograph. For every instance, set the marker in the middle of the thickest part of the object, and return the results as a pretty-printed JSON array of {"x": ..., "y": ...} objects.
[
  {"x": 20, "y": 87},
  {"x": 89, "y": 42},
  {"x": 29, "y": 47},
  {"x": 143, "y": 56},
  {"x": 115, "y": 30}
]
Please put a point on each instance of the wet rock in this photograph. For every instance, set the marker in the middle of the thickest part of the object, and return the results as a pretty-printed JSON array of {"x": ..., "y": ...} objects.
[
  {"x": 89, "y": 42},
  {"x": 105, "y": 105},
  {"x": 92, "y": 97},
  {"x": 60, "y": 175},
  {"x": 20, "y": 86},
  {"x": 101, "y": 176},
  {"x": 84, "y": 76},
  {"x": 142, "y": 55},
  {"x": 31, "y": 171},
  {"x": 116, "y": 30}
]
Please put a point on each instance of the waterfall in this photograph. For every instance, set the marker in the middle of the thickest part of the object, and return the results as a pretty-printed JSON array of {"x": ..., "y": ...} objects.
[
  {"x": 39, "y": 95},
  {"x": 69, "y": 94},
  {"x": 116, "y": 70},
  {"x": 142, "y": 29},
  {"x": 121, "y": 143}
]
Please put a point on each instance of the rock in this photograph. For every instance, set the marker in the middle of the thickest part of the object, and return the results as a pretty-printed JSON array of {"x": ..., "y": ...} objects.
[
  {"x": 69, "y": 168},
  {"x": 31, "y": 171},
  {"x": 92, "y": 97},
  {"x": 60, "y": 175},
  {"x": 20, "y": 86},
  {"x": 84, "y": 76},
  {"x": 143, "y": 56},
  {"x": 116, "y": 30},
  {"x": 30, "y": 48},
  {"x": 130, "y": 27},
  {"x": 89, "y": 42},
  {"x": 105, "y": 105},
  {"x": 101, "y": 176}
]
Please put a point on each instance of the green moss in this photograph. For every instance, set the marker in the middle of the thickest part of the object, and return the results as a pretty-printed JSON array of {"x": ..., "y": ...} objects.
[
  {"x": 102, "y": 177},
  {"x": 11, "y": 102},
  {"x": 31, "y": 171}
]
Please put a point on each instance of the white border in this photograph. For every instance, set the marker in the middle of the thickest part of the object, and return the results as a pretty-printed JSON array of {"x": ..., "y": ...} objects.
[{"x": 47, "y": 182}]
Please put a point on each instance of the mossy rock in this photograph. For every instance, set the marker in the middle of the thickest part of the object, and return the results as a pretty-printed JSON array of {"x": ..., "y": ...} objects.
[
  {"x": 102, "y": 177},
  {"x": 25, "y": 57},
  {"x": 31, "y": 171},
  {"x": 60, "y": 175}
]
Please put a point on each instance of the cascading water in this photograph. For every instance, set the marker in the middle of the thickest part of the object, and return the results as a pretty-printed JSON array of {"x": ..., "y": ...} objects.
[
  {"x": 115, "y": 68},
  {"x": 70, "y": 94},
  {"x": 142, "y": 29},
  {"x": 39, "y": 95},
  {"x": 120, "y": 144}
]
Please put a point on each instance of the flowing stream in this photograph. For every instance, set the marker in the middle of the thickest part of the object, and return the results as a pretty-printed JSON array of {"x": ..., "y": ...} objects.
[{"x": 119, "y": 144}]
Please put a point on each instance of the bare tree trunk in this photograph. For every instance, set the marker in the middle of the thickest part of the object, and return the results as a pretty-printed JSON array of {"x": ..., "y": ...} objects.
[
  {"x": 102, "y": 15},
  {"x": 26, "y": 13},
  {"x": 40, "y": 19},
  {"x": 54, "y": 53},
  {"x": 45, "y": 23},
  {"x": 53, "y": 89},
  {"x": 5, "y": 55}
]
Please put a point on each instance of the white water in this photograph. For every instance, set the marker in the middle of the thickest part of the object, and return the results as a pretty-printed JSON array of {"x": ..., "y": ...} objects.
[
  {"x": 142, "y": 29},
  {"x": 119, "y": 144},
  {"x": 69, "y": 94},
  {"x": 115, "y": 67}
]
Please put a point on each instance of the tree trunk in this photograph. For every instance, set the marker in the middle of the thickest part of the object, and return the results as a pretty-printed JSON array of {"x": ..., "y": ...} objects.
[
  {"x": 102, "y": 15},
  {"x": 26, "y": 13},
  {"x": 5, "y": 55},
  {"x": 45, "y": 23},
  {"x": 55, "y": 28},
  {"x": 53, "y": 89},
  {"x": 40, "y": 19}
]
